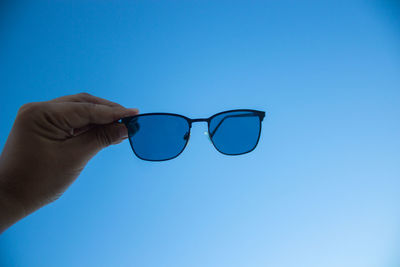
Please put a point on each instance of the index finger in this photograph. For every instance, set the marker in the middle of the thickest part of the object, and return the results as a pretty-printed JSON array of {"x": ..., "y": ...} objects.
[
  {"x": 85, "y": 97},
  {"x": 73, "y": 115}
]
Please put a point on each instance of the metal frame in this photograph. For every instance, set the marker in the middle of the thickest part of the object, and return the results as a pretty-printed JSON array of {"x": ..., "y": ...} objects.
[{"x": 260, "y": 114}]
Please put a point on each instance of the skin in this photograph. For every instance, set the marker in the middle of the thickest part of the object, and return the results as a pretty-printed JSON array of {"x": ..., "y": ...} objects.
[{"x": 49, "y": 145}]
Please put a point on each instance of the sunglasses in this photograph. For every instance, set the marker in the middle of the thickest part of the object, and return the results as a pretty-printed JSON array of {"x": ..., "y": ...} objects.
[{"x": 164, "y": 136}]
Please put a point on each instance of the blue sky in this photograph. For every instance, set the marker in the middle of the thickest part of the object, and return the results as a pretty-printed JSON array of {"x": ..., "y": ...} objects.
[{"x": 321, "y": 189}]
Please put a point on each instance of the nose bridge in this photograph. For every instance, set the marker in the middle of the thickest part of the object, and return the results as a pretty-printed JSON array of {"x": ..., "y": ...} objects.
[
  {"x": 199, "y": 120},
  {"x": 202, "y": 120}
]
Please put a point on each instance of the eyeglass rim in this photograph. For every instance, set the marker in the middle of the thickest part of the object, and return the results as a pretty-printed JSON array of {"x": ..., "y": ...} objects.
[
  {"x": 127, "y": 120},
  {"x": 260, "y": 114}
]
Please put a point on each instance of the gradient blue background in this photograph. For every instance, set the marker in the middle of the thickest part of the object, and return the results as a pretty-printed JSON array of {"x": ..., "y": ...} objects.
[{"x": 321, "y": 189}]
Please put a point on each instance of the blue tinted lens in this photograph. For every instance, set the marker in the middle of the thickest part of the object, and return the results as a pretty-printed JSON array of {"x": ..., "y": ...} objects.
[
  {"x": 158, "y": 137},
  {"x": 235, "y": 132}
]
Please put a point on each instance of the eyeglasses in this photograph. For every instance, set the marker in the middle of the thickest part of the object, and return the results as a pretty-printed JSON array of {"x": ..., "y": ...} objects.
[{"x": 164, "y": 136}]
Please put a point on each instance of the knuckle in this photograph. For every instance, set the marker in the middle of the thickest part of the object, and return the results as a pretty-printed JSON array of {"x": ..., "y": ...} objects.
[
  {"x": 84, "y": 94},
  {"x": 35, "y": 112},
  {"x": 30, "y": 109},
  {"x": 28, "y": 114},
  {"x": 26, "y": 106}
]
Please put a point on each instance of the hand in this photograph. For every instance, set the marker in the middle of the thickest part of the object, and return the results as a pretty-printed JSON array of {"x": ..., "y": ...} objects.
[{"x": 49, "y": 145}]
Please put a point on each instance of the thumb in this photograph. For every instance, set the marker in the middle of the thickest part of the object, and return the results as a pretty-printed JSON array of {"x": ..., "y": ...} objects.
[
  {"x": 109, "y": 134},
  {"x": 99, "y": 137}
]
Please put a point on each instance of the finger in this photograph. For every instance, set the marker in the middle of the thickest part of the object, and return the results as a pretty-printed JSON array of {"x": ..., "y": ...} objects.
[
  {"x": 71, "y": 115},
  {"x": 85, "y": 97},
  {"x": 79, "y": 131},
  {"x": 100, "y": 137},
  {"x": 109, "y": 134}
]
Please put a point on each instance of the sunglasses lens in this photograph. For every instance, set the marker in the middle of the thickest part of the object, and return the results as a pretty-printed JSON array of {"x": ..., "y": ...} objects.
[
  {"x": 158, "y": 137},
  {"x": 236, "y": 132}
]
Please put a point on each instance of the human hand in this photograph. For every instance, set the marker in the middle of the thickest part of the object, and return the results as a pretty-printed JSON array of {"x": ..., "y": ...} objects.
[{"x": 49, "y": 145}]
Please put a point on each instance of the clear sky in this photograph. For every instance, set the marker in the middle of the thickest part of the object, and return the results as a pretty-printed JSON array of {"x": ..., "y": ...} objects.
[{"x": 321, "y": 189}]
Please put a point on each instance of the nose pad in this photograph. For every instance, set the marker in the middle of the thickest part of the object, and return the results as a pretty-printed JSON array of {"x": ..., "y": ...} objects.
[
  {"x": 186, "y": 136},
  {"x": 206, "y": 133}
]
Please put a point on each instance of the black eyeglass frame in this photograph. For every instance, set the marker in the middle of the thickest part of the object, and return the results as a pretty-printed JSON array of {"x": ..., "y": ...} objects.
[{"x": 260, "y": 114}]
